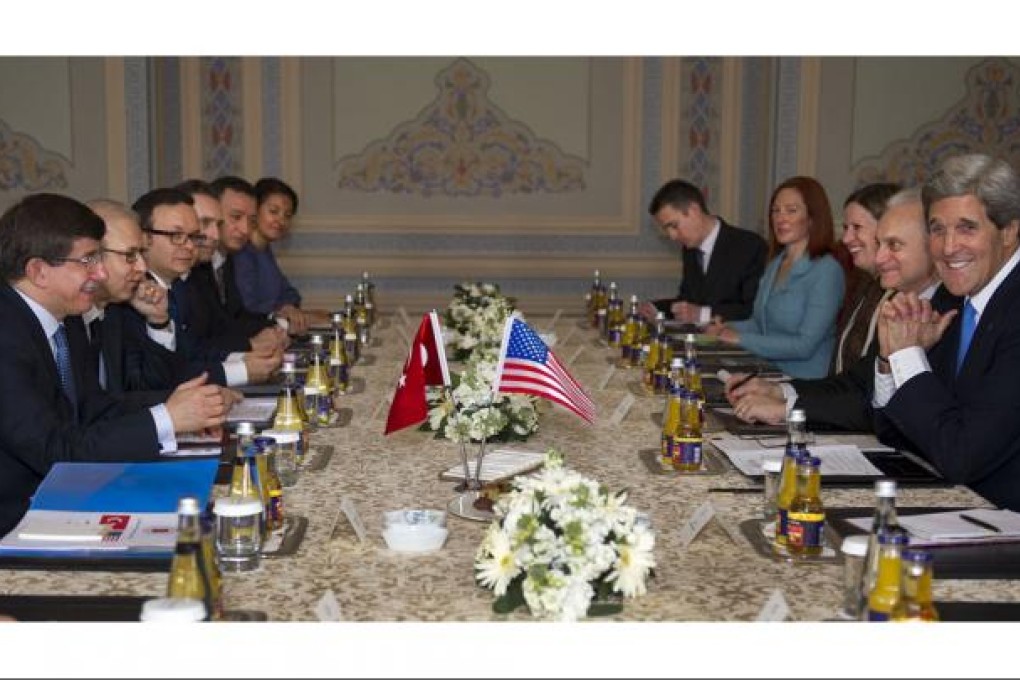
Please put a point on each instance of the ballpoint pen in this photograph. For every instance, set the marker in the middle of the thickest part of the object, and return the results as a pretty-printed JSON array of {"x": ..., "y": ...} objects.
[
  {"x": 746, "y": 379},
  {"x": 981, "y": 523}
]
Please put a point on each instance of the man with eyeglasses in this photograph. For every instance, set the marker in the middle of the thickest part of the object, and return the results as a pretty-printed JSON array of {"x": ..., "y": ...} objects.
[
  {"x": 130, "y": 355},
  {"x": 209, "y": 318},
  {"x": 52, "y": 408},
  {"x": 172, "y": 235}
]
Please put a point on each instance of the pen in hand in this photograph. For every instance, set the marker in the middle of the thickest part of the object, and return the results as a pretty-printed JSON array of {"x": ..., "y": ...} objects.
[{"x": 746, "y": 379}]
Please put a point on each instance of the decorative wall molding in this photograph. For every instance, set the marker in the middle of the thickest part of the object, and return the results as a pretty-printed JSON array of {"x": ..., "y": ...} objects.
[
  {"x": 26, "y": 165},
  {"x": 116, "y": 126},
  {"x": 462, "y": 144},
  {"x": 222, "y": 126},
  {"x": 340, "y": 263},
  {"x": 985, "y": 120},
  {"x": 692, "y": 123}
]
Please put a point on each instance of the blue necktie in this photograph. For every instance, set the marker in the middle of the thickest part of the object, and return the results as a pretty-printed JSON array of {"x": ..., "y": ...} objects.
[
  {"x": 63, "y": 356},
  {"x": 966, "y": 332}
]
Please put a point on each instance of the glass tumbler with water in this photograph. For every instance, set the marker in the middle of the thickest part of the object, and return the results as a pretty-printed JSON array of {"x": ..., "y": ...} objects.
[{"x": 238, "y": 533}]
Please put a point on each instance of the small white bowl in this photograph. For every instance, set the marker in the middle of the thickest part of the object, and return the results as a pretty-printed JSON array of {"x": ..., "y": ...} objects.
[
  {"x": 415, "y": 537},
  {"x": 415, "y": 517}
]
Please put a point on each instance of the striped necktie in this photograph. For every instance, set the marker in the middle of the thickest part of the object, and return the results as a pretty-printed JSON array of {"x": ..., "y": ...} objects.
[{"x": 63, "y": 357}]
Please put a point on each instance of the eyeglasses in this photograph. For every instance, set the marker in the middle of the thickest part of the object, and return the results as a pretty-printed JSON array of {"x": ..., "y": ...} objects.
[
  {"x": 130, "y": 256},
  {"x": 90, "y": 261},
  {"x": 179, "y": 237}
]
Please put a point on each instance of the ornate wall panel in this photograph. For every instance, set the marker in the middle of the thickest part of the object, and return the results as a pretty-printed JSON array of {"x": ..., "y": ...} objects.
[
  {"x": 53, "y": 128},
  {"x": 429, "y": 175},
  {"x": 985, "y": 120}
]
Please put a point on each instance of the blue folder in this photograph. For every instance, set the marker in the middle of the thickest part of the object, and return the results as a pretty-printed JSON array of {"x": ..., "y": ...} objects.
[
  {"x": 114, "y": 488},
  {"x": 125, "y": 487}
]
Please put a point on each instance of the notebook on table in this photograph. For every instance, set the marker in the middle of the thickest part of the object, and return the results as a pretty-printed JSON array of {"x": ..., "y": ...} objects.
[{"x": 993, "y": 559}]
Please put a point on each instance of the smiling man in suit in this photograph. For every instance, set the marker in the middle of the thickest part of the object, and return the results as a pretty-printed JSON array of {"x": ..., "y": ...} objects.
[
  {"x": 956, "y": 404},
  {"x": 52, "y": 408},
  {"x": 722, "y": 264}
]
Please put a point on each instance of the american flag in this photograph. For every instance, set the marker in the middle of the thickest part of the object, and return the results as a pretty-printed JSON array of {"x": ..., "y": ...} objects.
[{"x": 527, "y": 366}]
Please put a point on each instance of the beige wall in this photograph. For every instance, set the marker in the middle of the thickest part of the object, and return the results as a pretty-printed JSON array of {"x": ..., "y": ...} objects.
[{"x": 610, "y": 131}]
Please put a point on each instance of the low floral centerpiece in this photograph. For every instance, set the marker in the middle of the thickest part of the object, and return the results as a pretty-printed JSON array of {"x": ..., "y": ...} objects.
[
  {"x": 473, "y": 413},
  {"x": 561, "y": 541}
]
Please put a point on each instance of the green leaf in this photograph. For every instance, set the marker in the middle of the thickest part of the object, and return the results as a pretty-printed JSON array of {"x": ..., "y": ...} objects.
[{"x": 512, "y": 599}]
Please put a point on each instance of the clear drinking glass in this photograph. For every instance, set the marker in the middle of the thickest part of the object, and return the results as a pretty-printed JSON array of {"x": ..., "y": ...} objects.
[
  {"x": 771, "y": 469},
  {"x": 238, "y": 533}
]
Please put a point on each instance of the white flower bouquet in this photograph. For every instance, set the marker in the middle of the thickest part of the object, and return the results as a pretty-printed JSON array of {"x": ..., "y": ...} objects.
[
  {"x": 559, "y": 541},
  {"x": 476, "y": 414},
  {"x": 475, "y": 318}
]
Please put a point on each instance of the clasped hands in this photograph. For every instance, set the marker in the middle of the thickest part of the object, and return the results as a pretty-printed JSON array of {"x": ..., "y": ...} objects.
[
  {"x": 905, "y": 320},
  {"x": 756, "y": 400}
]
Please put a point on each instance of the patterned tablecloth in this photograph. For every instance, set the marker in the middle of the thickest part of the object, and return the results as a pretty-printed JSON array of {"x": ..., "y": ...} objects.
[{"x": 714, "y": 578}]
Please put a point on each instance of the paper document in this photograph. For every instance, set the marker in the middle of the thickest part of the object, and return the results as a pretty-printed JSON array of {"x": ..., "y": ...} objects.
[
  {"x": 498, "y": 465},
  {"x": 255, "y": 409},
  {"x": 945, "y": 528},
  {"x": 63, "y": 531},
  {"x": 193, "y": 451},
  {"x": 837, "y": 459}
]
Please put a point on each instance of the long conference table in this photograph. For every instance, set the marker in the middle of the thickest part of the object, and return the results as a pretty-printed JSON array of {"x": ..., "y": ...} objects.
[{"x": 718, "y": 576}]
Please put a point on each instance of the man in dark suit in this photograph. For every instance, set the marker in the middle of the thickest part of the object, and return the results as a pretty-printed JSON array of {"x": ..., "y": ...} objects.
[
  {"x": 956, "y": 404},
  {"x": 237, "y": 330},
  {"x": 843, "y": 401},
  {"x": 172, "y": 235},
  {"x": 722, "y": 264},
  {"x": 128, "y": 327},
  {"x": 238, "y": 204},
  {"x": 52, "y": 408}
]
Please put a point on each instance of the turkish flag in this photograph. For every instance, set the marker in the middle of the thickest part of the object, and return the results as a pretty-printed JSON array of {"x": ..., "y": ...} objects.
[{"x": 425, "y": 365}]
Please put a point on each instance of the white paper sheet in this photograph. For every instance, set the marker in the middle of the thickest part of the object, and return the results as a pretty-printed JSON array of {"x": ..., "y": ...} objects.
[
  {"x": 256, "y": 409},
  {"x": 949, "y": 527},
  {"x": 837, "y": 459},
  {"x": 497, "y": 465}
]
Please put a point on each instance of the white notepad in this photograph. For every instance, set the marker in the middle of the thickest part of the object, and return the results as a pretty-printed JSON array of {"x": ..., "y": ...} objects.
[{"x": 498, "y": 465}]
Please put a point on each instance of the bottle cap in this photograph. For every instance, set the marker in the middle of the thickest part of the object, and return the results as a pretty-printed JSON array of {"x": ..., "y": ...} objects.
[
  {"x": 885, "y": 488},
  {"x": 245, "y": 428},
  {"x": 317, "y": 339},
  {"x": 173, "y": 610},
  {"x": 348, "y": 298},
  {"x": 855, "y": 546},
  {"x": 677, "y": 362},
  {"x": 311, "y": 389},
  {"x": 633, "y": 298},
  {"x": 290, "y": 356},
  {"x": 798, "y": 415},
  {"x": 264, "y": 441},
  {"x": 772, "y": 465},
  {"x": 236, "y": 506},
  {"x": 915, "y": 555},
  {"x": 337, "y": 317},
  {"x": 892, "y": 538},
  {"x": 287, "y": 367},
  {"x": 660, "y": 316},
  {"x": 187, "y": 505},
  {"x": 283, "y": 436},
  {"x": 689, "y": 337}
]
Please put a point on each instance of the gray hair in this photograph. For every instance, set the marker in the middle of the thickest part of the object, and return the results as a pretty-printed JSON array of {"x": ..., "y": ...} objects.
[
  {"x": 109, "y": 209},
  {"x": 991, "y": 180},
  {"x": 903, "y": 197}
]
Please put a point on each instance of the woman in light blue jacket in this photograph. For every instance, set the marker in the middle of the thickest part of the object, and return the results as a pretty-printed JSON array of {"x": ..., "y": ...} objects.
[{"x": 793, "y": 323}]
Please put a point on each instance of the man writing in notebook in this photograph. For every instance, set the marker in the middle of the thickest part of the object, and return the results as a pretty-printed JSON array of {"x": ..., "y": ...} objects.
[
  {"x": 947, "y": 385},
  {"x": 52, "y": 408},
  {"x": 722, "y": 264}
]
